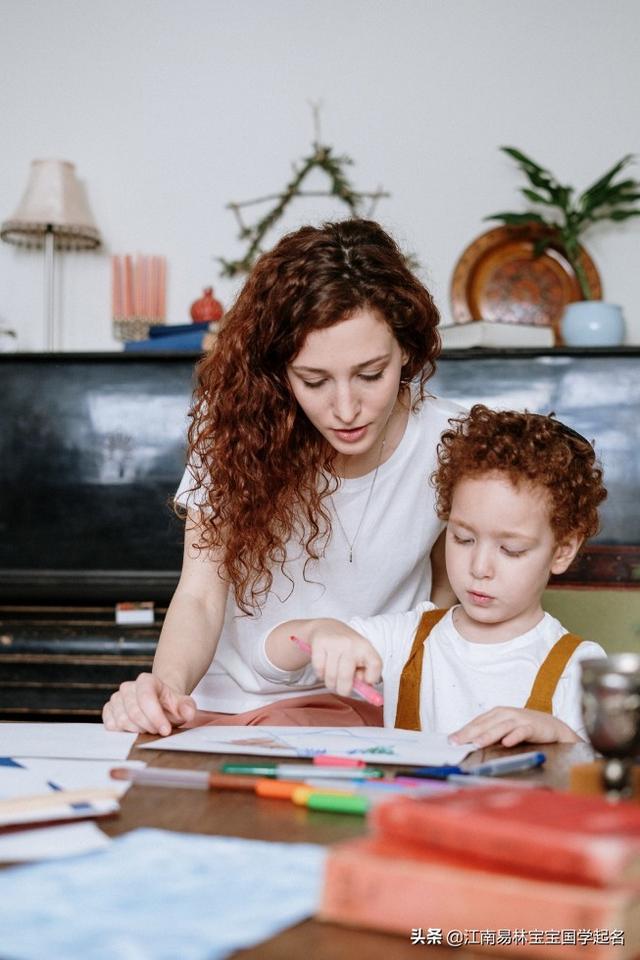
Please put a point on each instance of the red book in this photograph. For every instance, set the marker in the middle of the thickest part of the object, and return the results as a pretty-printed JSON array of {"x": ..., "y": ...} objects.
[
  {"x": 386, "y": 886},
  {"x": 537, "y": 833}
]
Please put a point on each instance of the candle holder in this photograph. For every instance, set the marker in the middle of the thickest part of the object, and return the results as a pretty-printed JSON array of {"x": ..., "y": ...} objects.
[
  {"x": 132, "y": 328},
  {"x": 137, "y": 295},
  {"x": 611, "y": 708}
]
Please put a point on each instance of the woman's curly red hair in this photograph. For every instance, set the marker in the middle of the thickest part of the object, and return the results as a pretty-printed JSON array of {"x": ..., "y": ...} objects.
[
  {"x": 529, "y": 448},
  {"x": 261, "y": 470}
]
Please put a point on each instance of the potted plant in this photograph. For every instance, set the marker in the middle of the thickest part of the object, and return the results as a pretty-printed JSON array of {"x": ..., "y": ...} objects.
[{"x": 565, "y": 218}]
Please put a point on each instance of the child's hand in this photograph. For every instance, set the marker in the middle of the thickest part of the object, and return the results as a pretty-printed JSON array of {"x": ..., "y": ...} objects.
[
  {"x": 339, "y": 655},
  {"x": 511, "y": 725}
]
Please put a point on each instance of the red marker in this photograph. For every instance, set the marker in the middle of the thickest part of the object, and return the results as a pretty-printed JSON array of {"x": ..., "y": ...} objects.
[{"x": 366, "y": 691}]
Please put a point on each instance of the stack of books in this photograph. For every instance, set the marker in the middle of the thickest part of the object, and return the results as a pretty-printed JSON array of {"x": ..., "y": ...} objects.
[
  {"x": 493, "y": 333},
  {"x": 524, "y": 872},
  {"x": 177, "y": 336}
]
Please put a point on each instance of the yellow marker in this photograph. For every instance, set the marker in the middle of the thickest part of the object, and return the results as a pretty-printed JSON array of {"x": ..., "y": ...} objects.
[{"x": 300, "y": 794}]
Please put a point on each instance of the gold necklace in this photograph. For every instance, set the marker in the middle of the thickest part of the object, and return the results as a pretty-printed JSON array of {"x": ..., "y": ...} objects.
[{"x": 351, "y": 543}]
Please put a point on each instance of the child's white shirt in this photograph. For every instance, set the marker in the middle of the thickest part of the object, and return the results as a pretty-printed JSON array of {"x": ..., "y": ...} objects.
[{"x": 462, "y": 679}]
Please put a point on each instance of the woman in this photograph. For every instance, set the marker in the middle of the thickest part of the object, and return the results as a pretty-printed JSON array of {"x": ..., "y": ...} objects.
[{"x": 308, "y": 453}]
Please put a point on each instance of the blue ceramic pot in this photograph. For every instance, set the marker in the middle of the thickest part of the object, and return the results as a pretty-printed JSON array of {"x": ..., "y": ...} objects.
[{"x": 592, "y": 323}]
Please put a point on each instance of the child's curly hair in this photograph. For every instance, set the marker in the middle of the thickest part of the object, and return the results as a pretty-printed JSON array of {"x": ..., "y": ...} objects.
[{"x": 529, "y": 448}]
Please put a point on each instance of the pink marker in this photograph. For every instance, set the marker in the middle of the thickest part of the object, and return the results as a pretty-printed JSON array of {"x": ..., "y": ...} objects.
[
  {"x": 366, "y": 691},
  {"x": 324, "y": 760}
]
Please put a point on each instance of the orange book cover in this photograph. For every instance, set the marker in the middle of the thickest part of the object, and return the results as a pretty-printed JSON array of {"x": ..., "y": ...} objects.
[
  {"x": 581, "y": 839},
  {"x": 370, "y": 882}
]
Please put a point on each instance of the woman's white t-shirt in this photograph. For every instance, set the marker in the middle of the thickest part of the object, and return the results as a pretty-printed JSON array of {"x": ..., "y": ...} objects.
[{"x": 390, "y": 572}]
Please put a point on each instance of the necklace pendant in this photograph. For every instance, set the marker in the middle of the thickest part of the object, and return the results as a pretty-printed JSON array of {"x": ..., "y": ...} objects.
[{"x": 351, "y": 556}]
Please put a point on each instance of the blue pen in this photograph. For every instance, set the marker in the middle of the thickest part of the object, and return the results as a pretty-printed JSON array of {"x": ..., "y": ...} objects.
[
  {"x": 431, "y": 773},
  {"x": 513, "y": 764},
  {"x": 492, "y": 768}
]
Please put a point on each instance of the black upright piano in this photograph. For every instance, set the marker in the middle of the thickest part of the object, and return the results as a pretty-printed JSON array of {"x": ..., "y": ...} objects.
[{"x": 92, "y": 447}]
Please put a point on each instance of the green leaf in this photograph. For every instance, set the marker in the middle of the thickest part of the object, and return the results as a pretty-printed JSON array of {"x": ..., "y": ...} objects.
[
  {"x": 623, "y": 185},
  {"x": 535, "y": 197},
  {"x": 565, "y": 194},
  {"x": 629, "y": 197},
  {"x": 537, "y": 175},
  {"x": 520, "y": 157},
  {"x": 516, "y": 219},
  {"x": 622, "y": 214},
  {"x": 596, "y": 188},
  {"x": 611, "y": 196},
  {"x": 540, "y": 245}
]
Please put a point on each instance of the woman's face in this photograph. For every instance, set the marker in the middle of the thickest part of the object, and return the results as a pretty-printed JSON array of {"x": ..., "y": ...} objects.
[{"x": 346, "y": 378}]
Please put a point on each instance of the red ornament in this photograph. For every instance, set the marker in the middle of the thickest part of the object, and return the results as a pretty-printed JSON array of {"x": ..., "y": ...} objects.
[{"x": 207, "y": 309}]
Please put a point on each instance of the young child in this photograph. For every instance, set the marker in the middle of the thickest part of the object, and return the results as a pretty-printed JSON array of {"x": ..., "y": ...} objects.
[{"x": 520, "y": 494}]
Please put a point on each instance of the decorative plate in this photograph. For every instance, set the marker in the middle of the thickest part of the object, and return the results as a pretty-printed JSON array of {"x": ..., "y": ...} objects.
[{"x": 498, "y": 278}]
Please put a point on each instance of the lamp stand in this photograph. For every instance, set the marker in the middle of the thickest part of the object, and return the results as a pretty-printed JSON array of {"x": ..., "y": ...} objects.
[{"x": 49, "y": 313}]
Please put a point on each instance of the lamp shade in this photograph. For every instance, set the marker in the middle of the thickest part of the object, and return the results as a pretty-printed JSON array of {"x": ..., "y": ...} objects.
[{"x": 54, "y": 202}]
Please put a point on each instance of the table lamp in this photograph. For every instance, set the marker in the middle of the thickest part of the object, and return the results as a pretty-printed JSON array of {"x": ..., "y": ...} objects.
[{"x": 53, "y": 213}]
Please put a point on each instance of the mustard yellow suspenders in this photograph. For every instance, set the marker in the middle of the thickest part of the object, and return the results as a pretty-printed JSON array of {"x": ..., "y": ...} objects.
[{"x": 540, "y": 698}]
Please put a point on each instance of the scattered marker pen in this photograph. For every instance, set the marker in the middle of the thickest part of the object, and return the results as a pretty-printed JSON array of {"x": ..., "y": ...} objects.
[
  {"x": 358, "y": 804},
  {"x": 492, "y": 768},
  {"x": 300, "y": 771},
  {"x": 325, "y": 760},
  {"x": 513, "y": 764},
  {"x": 471, "y": 780}
]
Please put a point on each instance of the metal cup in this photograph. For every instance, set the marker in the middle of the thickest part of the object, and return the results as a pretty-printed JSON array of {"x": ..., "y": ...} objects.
[{"x": 611, "y": 709}]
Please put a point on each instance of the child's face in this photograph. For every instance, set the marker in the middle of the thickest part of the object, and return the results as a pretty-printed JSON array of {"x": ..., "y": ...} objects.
[{"x": 500, "y": 552}]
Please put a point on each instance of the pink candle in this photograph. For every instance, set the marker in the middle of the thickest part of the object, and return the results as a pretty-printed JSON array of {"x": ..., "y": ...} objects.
[
  {"x": 162, "y": 279},
  {"x": 128, "y": 286},
  {"x": 153, "y": 288},
  {"x": 138, "y": 287},
  {"x": 116, "y": 286}
]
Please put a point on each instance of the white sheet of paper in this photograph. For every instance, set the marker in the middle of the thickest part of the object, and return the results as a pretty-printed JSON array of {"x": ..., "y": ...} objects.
[
  {"x": 47, "y": 843},
  {"x": 374, "y": 744},
  {"x": 76, "y": 774},
  {"x": 97, "y": 808},
  {"x": 18, "y": 782},
  {"x": 80, "y": 741}
]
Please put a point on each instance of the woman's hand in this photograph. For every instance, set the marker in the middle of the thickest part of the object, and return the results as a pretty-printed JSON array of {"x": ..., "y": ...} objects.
[
  {"x": 512, "y": 725},
  {"x": 147, "y": 705}
]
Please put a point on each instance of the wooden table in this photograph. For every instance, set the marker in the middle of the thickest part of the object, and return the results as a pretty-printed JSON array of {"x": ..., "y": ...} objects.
[{"x": 245, "y": 815}]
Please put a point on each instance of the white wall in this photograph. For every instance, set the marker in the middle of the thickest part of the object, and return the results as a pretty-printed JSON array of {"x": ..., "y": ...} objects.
[{"x": 171, "y": 108}]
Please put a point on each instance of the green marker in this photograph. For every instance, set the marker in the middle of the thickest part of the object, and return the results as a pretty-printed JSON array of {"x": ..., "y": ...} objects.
[
  {"x": 299, "y": 771},
  {"x": 251, "y": 769},
  {"x": 338, "y": 803}
]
